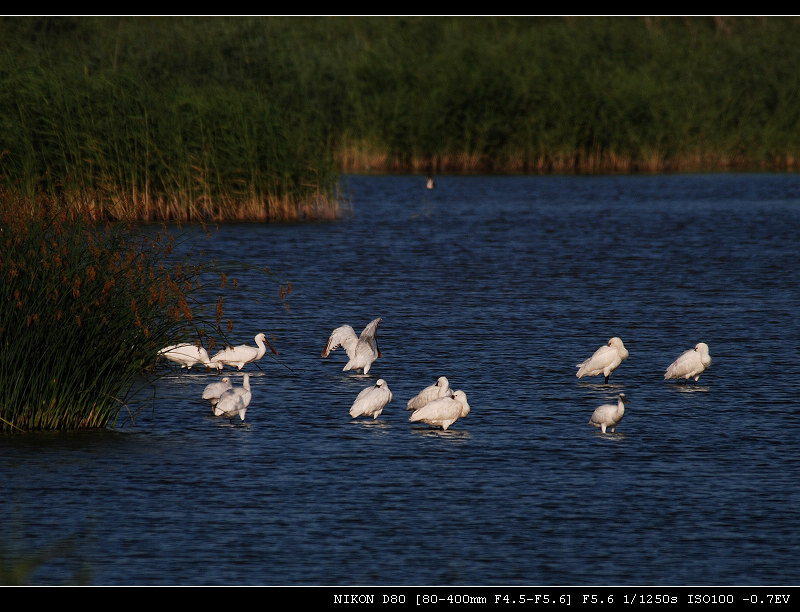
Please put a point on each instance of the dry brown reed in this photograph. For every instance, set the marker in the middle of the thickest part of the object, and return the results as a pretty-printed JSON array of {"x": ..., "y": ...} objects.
[
  {"x": 358, "y": 161},
  {"x": 141, "y": 206}
]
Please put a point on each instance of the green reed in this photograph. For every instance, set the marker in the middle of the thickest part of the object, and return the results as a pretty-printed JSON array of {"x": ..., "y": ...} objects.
[
  {"x": 90, "y": 126},
  {"x": 591, "y": 94},
  {"x": 252, "y": 118},
  {"x": 83, "y": 311}
]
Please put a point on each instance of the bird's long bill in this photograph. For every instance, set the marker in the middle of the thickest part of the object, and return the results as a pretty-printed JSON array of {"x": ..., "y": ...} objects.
[
  {"x": 377, "y": 347},
  {"x": 271, "y": 347}
]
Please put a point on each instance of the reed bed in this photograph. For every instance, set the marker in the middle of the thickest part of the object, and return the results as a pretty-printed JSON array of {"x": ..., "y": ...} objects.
[
  {"x": 577, "y": 95},
  {"x": 84, "y": 308},
  {"x": 253, "y": 118},
  {"x": 129, "y": 140}
]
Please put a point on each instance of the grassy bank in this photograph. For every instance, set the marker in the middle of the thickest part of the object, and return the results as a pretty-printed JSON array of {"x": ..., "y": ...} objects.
[{"x": 253, "y": 118}]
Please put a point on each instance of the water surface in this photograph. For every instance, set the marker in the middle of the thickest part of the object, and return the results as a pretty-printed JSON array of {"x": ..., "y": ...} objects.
[{"x": 502, "y": 285}]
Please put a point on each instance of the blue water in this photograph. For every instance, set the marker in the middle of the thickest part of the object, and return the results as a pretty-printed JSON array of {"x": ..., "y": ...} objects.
[{"x": 502, "y": 285}]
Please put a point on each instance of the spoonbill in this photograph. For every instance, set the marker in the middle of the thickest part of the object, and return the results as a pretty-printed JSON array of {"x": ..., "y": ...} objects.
[
  {"x": 608, "y": 415},
  {"x": 361, "y": 351},
  {"x": 239, "y": 356},
  {"x": 372, "y": 400},
  {"x": 213, "y": 391},
  {"x": 690, "y": 364},
  {"x": 443, "y": 411},
  {"x": 186, "y": 354},
  {"x": 605, "y": 360},
  {"x": 428, "y": 394},
  {"x": 235, "y": 401}
]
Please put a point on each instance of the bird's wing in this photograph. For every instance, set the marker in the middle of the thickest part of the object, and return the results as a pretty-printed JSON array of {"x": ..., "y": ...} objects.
[
  {"x": 215, "y": 390},
  {"x": 370, "y": 331},
  {"x": 229, "y": 402},
  {"x": 344, "y": 336},
  {"x": 364, "y": 393},
  {"x": 236, "y": 354},
  {"x": 369, "y": 400},
  {"x": 437, "y": 410},
  {"x": 601, "y": 358},
  {"x": 682, "y": 365},
  {"x": 428, "y": 394},
  {"x": 244, "y": 351},
  {"x": 188, "y": 350},
  {"x": 223, "y": 354}
]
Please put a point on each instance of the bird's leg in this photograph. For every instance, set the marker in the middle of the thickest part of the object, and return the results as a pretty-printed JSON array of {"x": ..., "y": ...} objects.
[{"x": 606, "y": 380}]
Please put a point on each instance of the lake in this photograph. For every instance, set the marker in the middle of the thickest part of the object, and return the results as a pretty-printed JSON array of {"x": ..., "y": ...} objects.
[{"x": 502, "y": 284}]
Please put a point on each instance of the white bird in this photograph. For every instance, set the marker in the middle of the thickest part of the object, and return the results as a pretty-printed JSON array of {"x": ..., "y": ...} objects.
[
  {"x": 608, "y": 415},
  {"x": 428, "y": 394},
  {"x": 214, "y": 390},
  {"x": 690, "y": 364},
  {"x": 443, "y": 411},
  {"x": 361, "y": 351},
  {"x": 186, "y": 354},
  {"x": 605, "y": 360},
  {"x": 239, "y": 356},
  {"x": 234, "y": 401},
  {"x": 372, "y": 400},
  {"x": 429, "y": 182}
]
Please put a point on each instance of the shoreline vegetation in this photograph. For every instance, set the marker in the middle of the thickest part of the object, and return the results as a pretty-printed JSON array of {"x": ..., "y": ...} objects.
[
  {"x": 84, "y": 309},
  {"x": 355, "y": 162},
  {"x": 254, "y": 118}
]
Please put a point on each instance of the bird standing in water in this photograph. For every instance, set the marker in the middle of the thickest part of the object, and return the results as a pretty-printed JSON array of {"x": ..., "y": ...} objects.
[
  {"x": 234, "y": 401},
  {"x": 444, "y": 411},
  {"x": 239, "y": 356},
  {"x": 372, "y": 400},
  {"x": 361, "y": 350},
  {"x": 213, "y": 391},
  {"x": 608, "y": 415},
  {"x": 605, "y": 360},
  {"x": 428, "y": 394},
  {"x": 691, "y": 364},
  {"x": 186, "y": 354}
]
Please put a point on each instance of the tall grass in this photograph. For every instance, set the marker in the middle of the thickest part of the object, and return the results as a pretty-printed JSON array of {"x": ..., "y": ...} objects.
[
  {"x": 252, "y": 118},
  {"x": 575, "y": 94},
  {"x": 93, "y": 125},
  {"x": 83, "y": 311}
]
